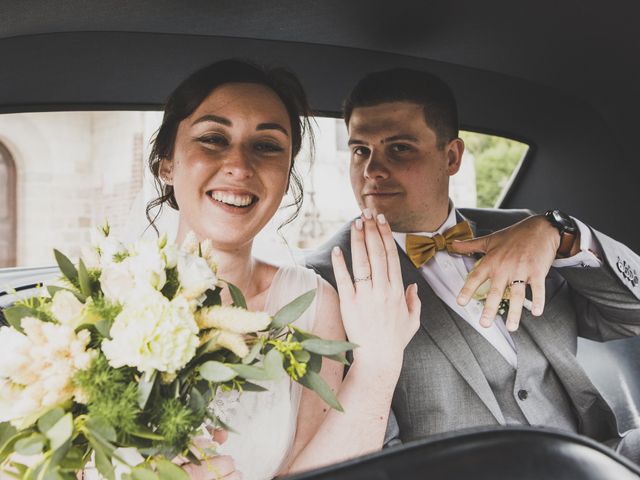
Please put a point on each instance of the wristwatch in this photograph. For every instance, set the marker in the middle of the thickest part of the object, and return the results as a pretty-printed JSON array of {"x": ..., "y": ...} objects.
[{"x": 567, "y": 228}]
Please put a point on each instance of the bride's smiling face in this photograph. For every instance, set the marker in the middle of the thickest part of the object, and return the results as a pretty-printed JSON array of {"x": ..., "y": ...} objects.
[{"x": 230, "y": 164}]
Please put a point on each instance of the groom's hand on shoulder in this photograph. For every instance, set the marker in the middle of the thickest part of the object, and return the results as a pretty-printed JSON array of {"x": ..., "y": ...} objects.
[{"x": 515, "y": 257}]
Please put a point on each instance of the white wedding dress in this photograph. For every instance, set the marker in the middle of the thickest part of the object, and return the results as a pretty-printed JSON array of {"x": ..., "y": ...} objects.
[{"x": 265, "y": 422}]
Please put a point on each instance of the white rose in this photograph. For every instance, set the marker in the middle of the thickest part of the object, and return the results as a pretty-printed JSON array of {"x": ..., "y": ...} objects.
[
  {"x": 195, "y": 275},
  {"x": 147, "y": 264},
  {"x": 67, "y": 309},
  {"x": 170, "y": 252},
  {"x": 152, "y": 333},
  {"x": 117, "y": 282}
]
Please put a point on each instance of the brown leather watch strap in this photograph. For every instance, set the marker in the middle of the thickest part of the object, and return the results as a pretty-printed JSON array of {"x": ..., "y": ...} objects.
[{"x": 566, "y": 244}]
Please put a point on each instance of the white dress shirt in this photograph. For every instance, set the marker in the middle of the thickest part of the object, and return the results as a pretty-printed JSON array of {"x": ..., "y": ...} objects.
[{"x": 446, "y": 273}]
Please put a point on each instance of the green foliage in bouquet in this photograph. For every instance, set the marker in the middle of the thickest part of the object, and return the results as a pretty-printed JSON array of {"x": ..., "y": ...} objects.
[{"x": 129, "y": 350}]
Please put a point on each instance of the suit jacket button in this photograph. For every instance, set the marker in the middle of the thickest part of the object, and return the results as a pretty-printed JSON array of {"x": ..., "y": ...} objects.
[{"x": 523, "y": 394}]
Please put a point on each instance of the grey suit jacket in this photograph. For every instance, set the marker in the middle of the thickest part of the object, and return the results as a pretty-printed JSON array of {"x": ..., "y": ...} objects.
[{"x": 441, "y": 386}]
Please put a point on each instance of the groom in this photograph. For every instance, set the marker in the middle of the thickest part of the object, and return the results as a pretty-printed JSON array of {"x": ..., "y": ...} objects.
[{"x": 468, "y": 365}]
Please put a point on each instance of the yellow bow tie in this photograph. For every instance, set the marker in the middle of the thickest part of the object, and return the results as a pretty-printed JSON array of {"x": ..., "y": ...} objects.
[{"x": 421, "y": 249}]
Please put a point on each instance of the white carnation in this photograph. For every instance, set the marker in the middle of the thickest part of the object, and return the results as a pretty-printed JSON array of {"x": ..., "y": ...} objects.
[
  {"x": 37, "y": 368},
  {"x": 67, "y": 309},
  {"x": 147, "y": 264},
  {"x": 152, "y": 333},
  {"x": 117, "y": 282},
  {"x": 195, "y": 275}
]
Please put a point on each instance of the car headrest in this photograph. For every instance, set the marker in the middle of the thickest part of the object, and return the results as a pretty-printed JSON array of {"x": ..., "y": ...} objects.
[{"x": 496, "y": 453}]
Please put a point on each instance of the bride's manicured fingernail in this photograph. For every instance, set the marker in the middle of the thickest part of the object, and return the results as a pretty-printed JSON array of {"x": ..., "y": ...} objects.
[
  {"x": 381, "y": 219},
  {"x": 367, "y": 213},
  {"x": 358, "y": 224},
  {"x": 337, "y": 251}
]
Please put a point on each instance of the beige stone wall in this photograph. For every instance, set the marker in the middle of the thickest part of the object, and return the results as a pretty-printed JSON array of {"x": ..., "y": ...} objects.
[{"x": 74, "y": 169}]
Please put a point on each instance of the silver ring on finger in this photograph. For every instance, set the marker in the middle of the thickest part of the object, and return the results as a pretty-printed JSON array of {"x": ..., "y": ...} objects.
[
  {"x": 518, "y": 282},
  {"x": 361, "y": 279}
]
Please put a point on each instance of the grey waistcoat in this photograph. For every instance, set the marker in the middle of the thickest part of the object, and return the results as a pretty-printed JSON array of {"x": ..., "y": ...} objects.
[{"x": 529, "y": 395}]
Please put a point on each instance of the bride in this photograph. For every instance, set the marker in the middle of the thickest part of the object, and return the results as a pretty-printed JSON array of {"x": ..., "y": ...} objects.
[{"x": 224, "y": 158}]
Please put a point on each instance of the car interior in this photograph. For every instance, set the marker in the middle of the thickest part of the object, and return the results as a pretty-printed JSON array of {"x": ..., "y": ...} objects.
[{"x": 562, "y": 77}]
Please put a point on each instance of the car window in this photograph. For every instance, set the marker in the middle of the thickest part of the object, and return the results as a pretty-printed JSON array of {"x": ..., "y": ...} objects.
[{"x": 63, "y": 172}]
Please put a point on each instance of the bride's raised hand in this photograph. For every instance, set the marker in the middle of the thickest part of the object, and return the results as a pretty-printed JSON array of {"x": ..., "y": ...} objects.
[
  {"x": 217, "y": 467},
  {"x": 378, "y": 314}
]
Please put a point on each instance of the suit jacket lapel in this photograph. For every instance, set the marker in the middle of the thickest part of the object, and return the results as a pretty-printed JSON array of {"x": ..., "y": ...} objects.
[{"x": 436, "y": 320}]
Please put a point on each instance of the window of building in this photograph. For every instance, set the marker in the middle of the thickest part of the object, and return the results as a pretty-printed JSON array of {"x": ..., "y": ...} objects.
[
  {"x": 78, "y": 169},
  {"x": 7, "y": 208}
]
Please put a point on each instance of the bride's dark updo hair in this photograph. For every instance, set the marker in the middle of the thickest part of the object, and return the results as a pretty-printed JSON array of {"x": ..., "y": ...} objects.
[{"x": 197, "y": 87}]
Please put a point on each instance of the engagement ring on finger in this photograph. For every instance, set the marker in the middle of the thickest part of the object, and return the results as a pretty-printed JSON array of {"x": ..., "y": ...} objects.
[
  {"x": 517, "y": 282},
  {"x": 361, "y": 279}
]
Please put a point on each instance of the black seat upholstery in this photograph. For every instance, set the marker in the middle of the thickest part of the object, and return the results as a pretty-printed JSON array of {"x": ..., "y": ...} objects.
[{"x": 488, "y": 453}]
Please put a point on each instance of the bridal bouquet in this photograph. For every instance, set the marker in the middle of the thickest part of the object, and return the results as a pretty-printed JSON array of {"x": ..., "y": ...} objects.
[{"x": 128, "y": 350}]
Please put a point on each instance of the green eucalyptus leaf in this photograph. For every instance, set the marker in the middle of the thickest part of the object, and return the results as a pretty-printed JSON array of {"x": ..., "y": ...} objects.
[
  {"x": 145, "y": 386},
  {"x": 273, "y": 364},
  {"x": 53, "y": 289},
  {"x": 49, "y": 419},
  {"x": 104, "y": 327},
  {"x": 315, "y": 362},
  {"x": 302, "y": 356},
  {"x": 145, "y": 433},
  {"x": 250, "y": 372},
  {"x": 20, "y": 470},
  {"x": 236, "y": 296},
  {"x": 253, "y": 353},
  {"x": 220, "y": 424},
  {"x": 141, "y": 473},
  {"x": 66, "y": 267},
  {"x": 314, "y": 381},
  {"x": 103, "y": 462},
  {"x": 196, "y": 401},
  {"x": 60, "y": 432},
  {"x": 75, "y": 459},
  {"x": 292, "y": 311},
  {"x": 9, "y": 444},
  {"x": 170, "y": 471},
  {"x": 6, "y": 432},
  {"x": 16, "y": 313},
  {"x": 217, "y": 372},
  {"x": 83, "y": 279},
  {"x": 253, "y": 387},
  {"x": 338, "y": 357},
  {"x": 212, "y": 297},
  {"x": 102, "y": 428},
  {"x": 31, "y": 445},
  {"x": 327, "y": 347}
]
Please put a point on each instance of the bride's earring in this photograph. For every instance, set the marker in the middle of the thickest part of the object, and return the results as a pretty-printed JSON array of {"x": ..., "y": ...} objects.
[{"x": 166, "y": 172}]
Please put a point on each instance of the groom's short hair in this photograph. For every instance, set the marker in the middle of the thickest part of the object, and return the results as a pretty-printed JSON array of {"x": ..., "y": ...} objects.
[{"x": 408, "y": 85}]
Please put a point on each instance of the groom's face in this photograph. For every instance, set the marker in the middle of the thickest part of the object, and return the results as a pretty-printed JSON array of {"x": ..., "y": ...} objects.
[{"x": 397, "y": 166}]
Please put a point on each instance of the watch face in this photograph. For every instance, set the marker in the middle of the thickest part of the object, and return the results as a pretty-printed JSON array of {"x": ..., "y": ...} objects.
[{"x": 563, "y": 220}]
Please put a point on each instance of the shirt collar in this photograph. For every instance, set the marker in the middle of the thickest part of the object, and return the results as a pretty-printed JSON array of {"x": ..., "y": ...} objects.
[{"x": 451, "y": 220}]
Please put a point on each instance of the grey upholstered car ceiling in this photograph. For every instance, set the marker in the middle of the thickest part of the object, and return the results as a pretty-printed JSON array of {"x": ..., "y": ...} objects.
[{"x": 562, "y": 75}]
